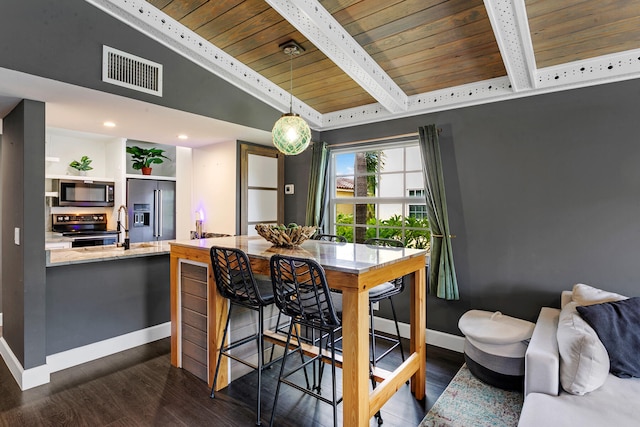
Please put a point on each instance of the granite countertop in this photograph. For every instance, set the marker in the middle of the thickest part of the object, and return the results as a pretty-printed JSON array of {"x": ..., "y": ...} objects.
[
  {"x": 58, "y": 257},
  {"x": 53, "y": 237},
  {"x": 344, "y": 257}
]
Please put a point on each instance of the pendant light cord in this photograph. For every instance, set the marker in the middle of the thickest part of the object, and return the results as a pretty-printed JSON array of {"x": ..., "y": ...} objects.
[{"x": 291, "y": 81}]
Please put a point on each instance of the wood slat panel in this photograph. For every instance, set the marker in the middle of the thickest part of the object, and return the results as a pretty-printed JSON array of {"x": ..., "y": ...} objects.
[
  {"x": 454, "y": 54},
  {"x": 572, "y": 30},
  {"x": 431, "y": 23},
  {"x": 192, "y": 271},
  {"x": 194, "y": 351},
  {"x": 442, "y": 32},
  {"x": 207, "y": 12},
  {"x": 194, "y": 303},
  {"x": 251, "y": 31},
  {"x": 195, "y": 320},
  {"x": 194, "y": 287},
  {"x": 179, "y": 9},
  {"x": 197, "y": 369},
  {"x": 406, "y": 14},
  {"x": 159, "y": 3},
  {"x": 229, "y": 19},
  {"x": 194, "y": 335}
]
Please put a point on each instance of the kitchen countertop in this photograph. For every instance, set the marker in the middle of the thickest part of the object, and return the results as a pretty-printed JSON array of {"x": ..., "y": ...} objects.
[
  {"x": 53, "y": 237},
  {"x": 345, "y": 257},
  {"x": 57, "y": 257}
]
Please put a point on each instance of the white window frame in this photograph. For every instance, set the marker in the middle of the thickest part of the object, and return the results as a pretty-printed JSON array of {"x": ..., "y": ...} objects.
[{"x": 405, "y": 200}]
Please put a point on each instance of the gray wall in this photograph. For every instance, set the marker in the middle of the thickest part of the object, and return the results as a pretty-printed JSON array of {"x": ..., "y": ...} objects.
[
  {"x": 87, "y": 303},
  {"x": 542, "y": 194},
  {"x": 62, "y": 40},
  {"x": 23, "y": 272}
]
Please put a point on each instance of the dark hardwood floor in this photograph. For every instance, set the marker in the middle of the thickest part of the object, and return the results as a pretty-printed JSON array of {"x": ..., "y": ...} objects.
[{"x": 139, "y": 387}]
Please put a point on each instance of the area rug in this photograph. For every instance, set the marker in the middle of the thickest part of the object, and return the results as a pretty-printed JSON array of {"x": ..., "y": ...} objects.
[{"x": 468, "y": 402}]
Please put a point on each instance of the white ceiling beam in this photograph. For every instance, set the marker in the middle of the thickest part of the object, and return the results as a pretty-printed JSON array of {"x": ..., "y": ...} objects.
[
  {"x": 511, "y": 28},
  {"x": 324, "y": 32}
]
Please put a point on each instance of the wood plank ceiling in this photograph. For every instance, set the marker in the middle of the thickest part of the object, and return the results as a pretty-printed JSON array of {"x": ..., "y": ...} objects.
[{"x": 423, "y": 46}]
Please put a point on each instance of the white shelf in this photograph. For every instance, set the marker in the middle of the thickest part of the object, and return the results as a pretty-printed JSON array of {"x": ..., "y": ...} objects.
[
  {"x": 52, "y": 159},
  {"x": 51, "y": 194},
  {"x": 80, "y": 178},
  {"x": 156, "y": 177}
]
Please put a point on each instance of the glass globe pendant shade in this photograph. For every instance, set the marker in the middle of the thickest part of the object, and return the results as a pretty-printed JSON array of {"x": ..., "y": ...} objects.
[{"x": 291, "y": 134}]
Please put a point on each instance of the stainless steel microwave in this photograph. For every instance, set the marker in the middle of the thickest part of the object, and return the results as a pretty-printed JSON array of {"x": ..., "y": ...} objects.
[{"x": 85, "y": 193}]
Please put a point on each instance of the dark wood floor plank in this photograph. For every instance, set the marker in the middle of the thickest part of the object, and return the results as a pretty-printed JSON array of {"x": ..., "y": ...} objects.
[{"x": 139, "y": 387}]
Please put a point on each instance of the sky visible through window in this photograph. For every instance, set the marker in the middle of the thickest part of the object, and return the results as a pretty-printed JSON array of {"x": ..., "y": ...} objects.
[{"x": 344, "y": 164}]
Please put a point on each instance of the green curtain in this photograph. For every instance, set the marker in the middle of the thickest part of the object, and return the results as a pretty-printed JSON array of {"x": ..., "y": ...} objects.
[
  {"x": 317, "y": 180},
  {"x": 442, "y": 272}
]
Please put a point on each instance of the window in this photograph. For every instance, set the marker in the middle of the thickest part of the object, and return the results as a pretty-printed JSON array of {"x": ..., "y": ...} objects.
[
  {"x": 417, "y": 211},
  {"x": 378, "y": 191}
]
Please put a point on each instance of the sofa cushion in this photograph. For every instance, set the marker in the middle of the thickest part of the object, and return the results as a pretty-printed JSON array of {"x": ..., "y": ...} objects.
[
  {"x": 588, "y": 295},
  {"x": 584, "y": 363},
  {"x": 618, "y": 327},
  {"x": 613, "y": 404}
]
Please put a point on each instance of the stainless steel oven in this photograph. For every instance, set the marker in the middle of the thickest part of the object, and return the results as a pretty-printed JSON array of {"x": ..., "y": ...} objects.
[{"x": 84, "y": 230}]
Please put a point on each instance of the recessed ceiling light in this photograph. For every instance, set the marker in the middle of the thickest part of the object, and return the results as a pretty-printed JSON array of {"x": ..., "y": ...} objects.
[
  {"x": 109, "y": 124},
  {"x": 183, "y": 136}
]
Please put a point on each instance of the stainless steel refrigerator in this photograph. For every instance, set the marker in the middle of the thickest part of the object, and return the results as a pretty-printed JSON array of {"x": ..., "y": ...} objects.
[{"x": 152, "y": 210}]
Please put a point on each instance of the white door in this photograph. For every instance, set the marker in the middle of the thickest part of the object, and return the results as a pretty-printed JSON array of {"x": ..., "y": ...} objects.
[{"x": 262, "y": 187}]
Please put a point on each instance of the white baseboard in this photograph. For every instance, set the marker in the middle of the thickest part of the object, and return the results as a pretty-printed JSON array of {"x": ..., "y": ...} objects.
[
  {"x": 437, "y": 338},
  {"x": 28, "y": 378},
  {"x": 40, "y": 375},
  {"x": 87, "y": 353}
]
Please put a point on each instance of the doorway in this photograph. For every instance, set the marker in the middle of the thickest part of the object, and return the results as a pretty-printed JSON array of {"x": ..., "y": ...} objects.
[{"x": 261, "y": 187}]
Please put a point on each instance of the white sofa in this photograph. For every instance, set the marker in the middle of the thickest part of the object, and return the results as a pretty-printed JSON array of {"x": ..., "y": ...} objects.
[{"x": 616, "y": 403}]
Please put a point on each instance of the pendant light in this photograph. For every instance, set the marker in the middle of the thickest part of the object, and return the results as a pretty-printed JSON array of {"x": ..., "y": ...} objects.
[{"x": 291, "y": 134}]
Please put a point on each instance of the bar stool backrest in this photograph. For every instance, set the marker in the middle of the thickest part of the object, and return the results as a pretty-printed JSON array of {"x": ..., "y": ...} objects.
[
  {"x": 301, "y": 291},
  {"x": 234, "y": 277},
  {"x": 388, "y": 243},
  {"x": 330, "y": 238}
]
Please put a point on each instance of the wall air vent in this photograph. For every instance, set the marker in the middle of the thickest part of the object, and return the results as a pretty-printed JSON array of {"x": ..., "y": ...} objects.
[{"x": 130, "y": 71}]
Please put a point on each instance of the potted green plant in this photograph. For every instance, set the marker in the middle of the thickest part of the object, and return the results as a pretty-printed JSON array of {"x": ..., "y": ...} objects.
[
  {"x": 82, "y": 166},
  {"x": 143, "y": 158}
]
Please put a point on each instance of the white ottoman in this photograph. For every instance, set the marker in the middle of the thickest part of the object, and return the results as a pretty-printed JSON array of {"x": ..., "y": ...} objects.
[{"x": 494, "y": 347}]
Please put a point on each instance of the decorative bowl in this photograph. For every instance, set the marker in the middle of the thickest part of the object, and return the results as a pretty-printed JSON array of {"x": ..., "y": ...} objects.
[{"x": 283, "y": 236}]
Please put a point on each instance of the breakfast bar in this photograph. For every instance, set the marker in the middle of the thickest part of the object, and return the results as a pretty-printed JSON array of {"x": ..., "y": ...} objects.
[{"x": 351, "y": 268}]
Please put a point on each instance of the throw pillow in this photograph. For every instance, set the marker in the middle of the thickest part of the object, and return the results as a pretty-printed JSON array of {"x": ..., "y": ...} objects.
[
  {"x": 587, "y": 295},
  {"x": 618, "y": 326},
  {"x": 584, "y": 363}
]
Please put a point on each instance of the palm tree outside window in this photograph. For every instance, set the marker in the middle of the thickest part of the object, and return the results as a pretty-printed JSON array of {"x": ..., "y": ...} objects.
[{"x": 378, "y": 191}]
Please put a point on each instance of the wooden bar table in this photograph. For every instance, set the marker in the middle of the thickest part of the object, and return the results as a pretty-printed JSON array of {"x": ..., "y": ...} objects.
[{"x": 351, "y": 268}]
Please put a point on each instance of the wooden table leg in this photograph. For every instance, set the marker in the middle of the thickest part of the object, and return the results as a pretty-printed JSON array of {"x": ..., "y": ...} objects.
[
  {"x": 418, "y": 328},
  {"x": 174, "y": 298},
  {"x": 355, "y": 353},
  {"x": 218, "y": 311}
]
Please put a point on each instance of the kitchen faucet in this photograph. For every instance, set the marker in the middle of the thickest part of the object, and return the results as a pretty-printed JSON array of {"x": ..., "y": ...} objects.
[{"x": 125, "y": 244}]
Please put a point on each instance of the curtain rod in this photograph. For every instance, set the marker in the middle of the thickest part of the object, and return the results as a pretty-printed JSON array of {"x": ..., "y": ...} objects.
[
  {"x": 386, "y": 138},
  {"x": 364, "y": 141}
]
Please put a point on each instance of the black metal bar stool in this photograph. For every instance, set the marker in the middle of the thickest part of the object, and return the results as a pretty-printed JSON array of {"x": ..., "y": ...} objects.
[
  {"x": 236, "y": 282},
  {"x": 301, "y": 292}
]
